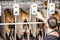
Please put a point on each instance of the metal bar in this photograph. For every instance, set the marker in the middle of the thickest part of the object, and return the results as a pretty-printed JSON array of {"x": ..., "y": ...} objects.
[
  {"x": 23, "y": 23},
  {"x": 15, "y": 26},
  {"x": 21, "y": 3},
  {"x": 47, "y": 15},
  {"x": 11, "y": 3}
]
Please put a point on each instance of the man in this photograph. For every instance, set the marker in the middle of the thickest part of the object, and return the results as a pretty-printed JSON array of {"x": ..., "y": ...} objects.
[{"x": 51, "y": 24}]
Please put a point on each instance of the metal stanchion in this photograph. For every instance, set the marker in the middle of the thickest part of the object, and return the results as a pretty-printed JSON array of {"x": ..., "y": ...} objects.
[
  {"x": 39, "y": 37},
  {"x": 28, "y": 34},
  {"x": 42, "y": 35},
  {"x": 23, "y": 32}
]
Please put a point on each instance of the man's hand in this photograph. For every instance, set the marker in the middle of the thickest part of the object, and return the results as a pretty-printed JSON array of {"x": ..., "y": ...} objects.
[{"x": 39, "y": 15}]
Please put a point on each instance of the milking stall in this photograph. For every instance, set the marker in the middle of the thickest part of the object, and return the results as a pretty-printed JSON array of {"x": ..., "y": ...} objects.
[{"x": 18, "y": 18}]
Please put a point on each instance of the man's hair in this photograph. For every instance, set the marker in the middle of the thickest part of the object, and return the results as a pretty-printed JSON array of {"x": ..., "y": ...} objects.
[{"x": 52, "y": 21}]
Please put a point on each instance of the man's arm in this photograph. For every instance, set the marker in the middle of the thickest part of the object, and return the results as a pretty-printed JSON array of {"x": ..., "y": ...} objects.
[{"x": 39, "y": 16}]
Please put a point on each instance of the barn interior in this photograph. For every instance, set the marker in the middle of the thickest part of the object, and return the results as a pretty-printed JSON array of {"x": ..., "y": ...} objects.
[{"x": 25, "y": 26}]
